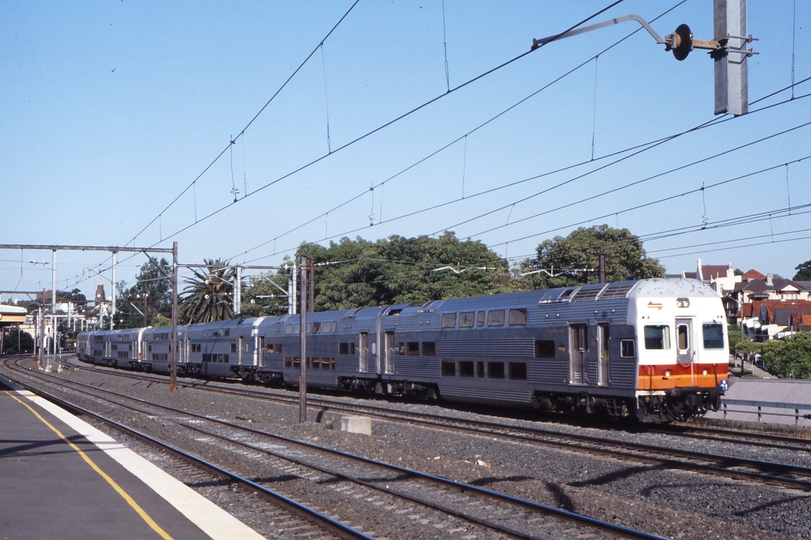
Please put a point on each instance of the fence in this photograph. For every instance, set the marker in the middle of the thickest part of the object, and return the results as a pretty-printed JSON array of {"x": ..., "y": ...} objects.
[{"x": 760, "y": 405}]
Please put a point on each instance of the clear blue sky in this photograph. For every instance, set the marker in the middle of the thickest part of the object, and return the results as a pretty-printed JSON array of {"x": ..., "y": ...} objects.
[{"x": 113, "y": 115}]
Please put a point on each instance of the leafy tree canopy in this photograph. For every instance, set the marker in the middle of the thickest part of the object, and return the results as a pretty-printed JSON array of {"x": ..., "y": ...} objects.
[
  {"x": 574, "y": 260},
  {"x": 790, "y": 358},
  {"x": 147, "y": 300},
  {"x": 803, "y": 271},
  {"x": 398, "y": 270}
]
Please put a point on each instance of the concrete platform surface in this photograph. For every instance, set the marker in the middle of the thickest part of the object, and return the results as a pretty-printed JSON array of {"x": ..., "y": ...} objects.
[{"x": 62, "y": 478}]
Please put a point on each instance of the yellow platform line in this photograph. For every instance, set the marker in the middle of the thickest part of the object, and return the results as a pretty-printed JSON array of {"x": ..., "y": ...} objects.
[{"x": 135, "y": 506}]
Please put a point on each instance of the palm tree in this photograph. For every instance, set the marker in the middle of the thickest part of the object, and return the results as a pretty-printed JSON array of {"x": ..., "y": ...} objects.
[{"x": 208, "y": 295}]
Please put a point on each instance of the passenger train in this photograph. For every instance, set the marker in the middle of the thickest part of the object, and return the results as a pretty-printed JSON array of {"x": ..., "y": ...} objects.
[{"x": 654, "y": 350}]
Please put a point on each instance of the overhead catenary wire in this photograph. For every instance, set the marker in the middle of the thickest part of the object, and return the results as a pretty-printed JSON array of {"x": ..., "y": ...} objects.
[
  {"x": 464, "y": 138},
  {"x": 349, "y": 143}
]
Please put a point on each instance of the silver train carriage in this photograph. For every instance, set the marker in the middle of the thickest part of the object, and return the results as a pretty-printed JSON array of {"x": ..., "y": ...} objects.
[{"x": 651, "y": 349}]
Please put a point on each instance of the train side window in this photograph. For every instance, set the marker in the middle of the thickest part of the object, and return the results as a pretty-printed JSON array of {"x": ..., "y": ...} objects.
[
  {"x": 657, "y": 337},
  {"x": 448, "y": 368},
  {"x": 288, "y": 329},
  {"x": 467, "y": 319},
  {"x": 401, "y": 348},
  {"x": 713, "y": 336},
  {"x": 480, "y": 319},
  {"x": 316, "y": 326},
  {"x": 682, "y": 336},
  {"x": 518, "y": 317},
  {"x": 495, "y": 370},
  {"x": 518, "y": 370},
  {"x": 413, "y": 348},
  {"x": 495, "y": 317},
  {"x": 278, "y": 348},
  {"x": 544, "y": 348},
  {"x": 627, "y": 348},
  {"x": 233, "y": 347},
  {"x": 428, "y": 348},
  {"x": 480, "y": 369},
  {"x": 343, "y": 348},
  {"x": 297, "y": 329},
  {"x": 466, "y": 369},
  {"x": 448, "y": 320}
]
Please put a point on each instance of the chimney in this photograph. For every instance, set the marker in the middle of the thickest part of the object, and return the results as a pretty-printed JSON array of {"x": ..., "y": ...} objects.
[
  {"x": 769, "y": 281},
  {"x": 99, "y": 293}
]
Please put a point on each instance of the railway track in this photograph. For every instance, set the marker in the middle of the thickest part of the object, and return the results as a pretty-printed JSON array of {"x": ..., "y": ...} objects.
[
  {"x": 757, "y": 470},
  {"x": 444, "y": 504}
]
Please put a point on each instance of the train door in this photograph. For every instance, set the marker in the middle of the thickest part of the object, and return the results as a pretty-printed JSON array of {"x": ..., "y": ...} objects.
[
  {"x": 186, "y": 350},
  {"x": 684, "y": 344},
  {"x": 388, "y": 352},
  {"x": 363, "y": 353},
  {"x": 603, "y": 356},
  {"x": 578, "y": 353},
  {"x": 240, "y": 346},
  {"x": 261, "y": 351}
]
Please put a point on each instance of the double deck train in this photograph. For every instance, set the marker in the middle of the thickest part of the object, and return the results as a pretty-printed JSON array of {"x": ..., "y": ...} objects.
[{"x": 651, "y": 349}]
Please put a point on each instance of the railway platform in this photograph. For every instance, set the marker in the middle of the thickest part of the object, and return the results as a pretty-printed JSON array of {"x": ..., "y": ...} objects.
[{"x": 62, "y": 478}]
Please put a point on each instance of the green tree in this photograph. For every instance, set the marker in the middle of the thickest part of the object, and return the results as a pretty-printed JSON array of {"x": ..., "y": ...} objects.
[
  {"x": 574, "y": 260},
  {"x": 266, "y": 295},
  {"x": 149, "y": 300},
  {"x": 398, "y": 270},
  {"x": 790, "y": 358},
  {"x": 803, "y": 271},
  {"x": 208, "y": 295},
  {"x": 16, "y": 340},
  {"x": 747, "y": 348},
  {"x": 734, "y": 335}
]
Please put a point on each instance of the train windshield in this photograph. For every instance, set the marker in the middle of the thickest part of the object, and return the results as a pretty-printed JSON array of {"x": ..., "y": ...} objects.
[
  {"x": 657, "y": 336},
  {"x": 713, "y": 336}
]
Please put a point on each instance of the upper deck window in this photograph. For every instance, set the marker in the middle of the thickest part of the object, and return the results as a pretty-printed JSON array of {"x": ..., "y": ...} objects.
[
  {"x": 467, "y": 319},
  {"x": 448, "y": 320},
  {"x": 518, "y": 317},
  {"x": 495, "y": 317},
  {"x": 657, "y": 336}
]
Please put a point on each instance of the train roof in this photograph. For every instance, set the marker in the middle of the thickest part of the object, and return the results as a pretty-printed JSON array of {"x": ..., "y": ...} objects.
[{"x": 656, "y": 287}]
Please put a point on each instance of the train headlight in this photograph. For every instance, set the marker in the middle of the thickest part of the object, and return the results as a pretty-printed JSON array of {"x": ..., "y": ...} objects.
[
  {"x": 704, "y": 372},
  {"x": 683, "y": 302},
  {"x": 667, "y": 374}
]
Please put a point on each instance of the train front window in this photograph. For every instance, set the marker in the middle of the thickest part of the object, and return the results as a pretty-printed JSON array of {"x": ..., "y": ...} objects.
[
  {"x": 713, "y": 336},
  {"x": 657, "y": 336}
]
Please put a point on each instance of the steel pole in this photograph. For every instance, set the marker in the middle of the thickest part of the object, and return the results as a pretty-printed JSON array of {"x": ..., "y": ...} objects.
[
  {"x": 303, "y": 341},
  {"x": 173, "y": 385}
]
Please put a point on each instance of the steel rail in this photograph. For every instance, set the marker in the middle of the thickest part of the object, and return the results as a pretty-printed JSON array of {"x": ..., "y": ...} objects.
[
  {"x": 319, "y": 519},
  {"x": 463, "y": 487}
]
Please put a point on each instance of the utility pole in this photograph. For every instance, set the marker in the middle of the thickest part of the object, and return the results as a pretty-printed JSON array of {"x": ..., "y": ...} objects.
[
  {"x": 302, "y": 381},
  {"x": 173, "y": 384}
]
